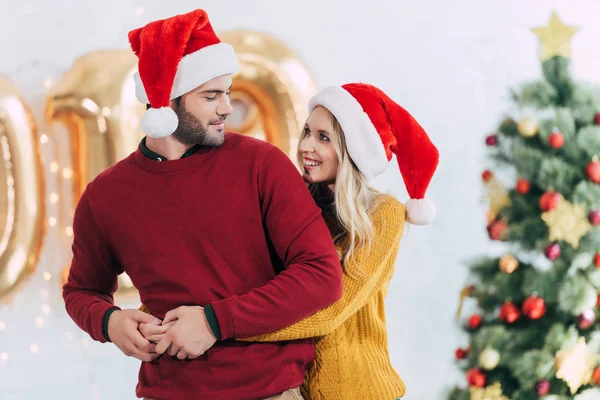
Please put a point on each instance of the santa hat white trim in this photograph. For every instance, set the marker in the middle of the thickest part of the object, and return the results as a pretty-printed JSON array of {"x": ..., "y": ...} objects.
[
  {"x": 195, "y": 69},
  {"x": 363, "y": 140}
]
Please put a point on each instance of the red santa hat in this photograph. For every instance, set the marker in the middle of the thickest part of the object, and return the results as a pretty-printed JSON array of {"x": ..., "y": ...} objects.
[
  {"x": 176, "y": 55},
  {"x": 375, "y": 128}
]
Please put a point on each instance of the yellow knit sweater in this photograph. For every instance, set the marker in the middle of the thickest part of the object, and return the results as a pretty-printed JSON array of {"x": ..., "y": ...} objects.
[{"x": 352, "y": 361}]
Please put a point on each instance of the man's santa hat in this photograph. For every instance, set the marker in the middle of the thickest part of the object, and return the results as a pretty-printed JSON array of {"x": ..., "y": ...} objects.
[
  {"x": 176, "y": 55},
  {"x": 375, "y": 128}
]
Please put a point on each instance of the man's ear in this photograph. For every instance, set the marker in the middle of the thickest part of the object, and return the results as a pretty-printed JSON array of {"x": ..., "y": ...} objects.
[{"x": 176, "y": 102}]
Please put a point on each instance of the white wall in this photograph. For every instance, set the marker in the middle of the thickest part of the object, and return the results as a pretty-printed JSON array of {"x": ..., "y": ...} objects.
[{"x": 448, "y": 62}]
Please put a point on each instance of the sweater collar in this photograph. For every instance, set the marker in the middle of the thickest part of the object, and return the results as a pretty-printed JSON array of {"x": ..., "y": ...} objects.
[
  {"x": 158, "y": 157},
  {"x": 149, "y": 160}
]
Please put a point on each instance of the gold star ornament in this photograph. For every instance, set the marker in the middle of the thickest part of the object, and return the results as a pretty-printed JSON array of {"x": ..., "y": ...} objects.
[
  {"x": 555, "y": 38},
  {"x": 498, "y": 197},
  {"x": 493, "y": 392},
  {"x": 575, "y": 366},
  {"x": 567, "y": 222}
]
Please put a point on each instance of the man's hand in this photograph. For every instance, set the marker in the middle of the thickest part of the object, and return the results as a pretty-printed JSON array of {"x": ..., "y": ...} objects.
[
  {"x": 154, "y": 333},
  {"x": 124, "y": 333},
  {"x": 190, "y": 336}
]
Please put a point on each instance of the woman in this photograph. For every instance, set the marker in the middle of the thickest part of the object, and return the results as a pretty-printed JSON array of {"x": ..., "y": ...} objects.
[{"x": 349, "y": 138}]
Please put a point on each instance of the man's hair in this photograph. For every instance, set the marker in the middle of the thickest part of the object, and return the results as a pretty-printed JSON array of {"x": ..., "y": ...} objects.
[{"x": 177, "y": 102}]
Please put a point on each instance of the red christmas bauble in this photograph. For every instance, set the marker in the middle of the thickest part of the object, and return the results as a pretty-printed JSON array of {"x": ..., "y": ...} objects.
[
  {"x": 596, "y": 376},
  {"x": 556, "y": 140},
  {"x": 552, "y": 251},
  {"x": 598, "y": 301},
  {"x": 549, "y": 200},
  {"x": 486, "y": 175},
  {"x": 586, "y": 319},
  {"x": 522, "y": 186},
  {"x": 534, "y": 307},
  {"x": 498, "y": 230},
  {"x": 509, "y": 312},
  {"x": 543, "y": 387},
  {"x": 597, "y": 118},
  {"x": 594, "y": 217},
  {"x": 491, "y": 140},
  {"x": 461, "y": 354},
  {"x": 474, "y": 321},
  {"x": 476, "y": 378},
  {"x": 597, "y": 260},
  {"x": 593, "y": 171}
]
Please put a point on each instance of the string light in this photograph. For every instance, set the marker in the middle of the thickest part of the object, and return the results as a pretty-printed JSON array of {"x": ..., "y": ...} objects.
[
  {"x": 67, "y": 173},
  {"x": 48, "y": 83},
  {"x": 2, "y": 326},
  {"x": 139, "y": 11},
  {"x": 52, "y": 221},
  {"x": 54, "y": 166},
  {"x": 43, "y": 138},
  {"x": 96, "y": 391},
  {"x": 46, "y": 309},
  {"x": 69, "y": 231},
  {"x": 3, "y": 356},
  {"x": 54, "y": 198},
  {"x": 34, "y": 348},
  {"x": 39, "y": 321},
  {"x": 47, "y": 276}
]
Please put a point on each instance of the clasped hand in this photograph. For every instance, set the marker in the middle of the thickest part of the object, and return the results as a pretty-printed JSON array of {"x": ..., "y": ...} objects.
[{"x": 184, "y": 333}]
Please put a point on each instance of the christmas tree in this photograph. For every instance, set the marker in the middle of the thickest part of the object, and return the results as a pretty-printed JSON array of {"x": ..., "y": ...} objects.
[{"x": 535, "y": 333}]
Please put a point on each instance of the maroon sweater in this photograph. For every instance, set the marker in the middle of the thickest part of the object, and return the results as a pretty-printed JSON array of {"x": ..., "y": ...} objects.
[{"x": 233, "y": 227}]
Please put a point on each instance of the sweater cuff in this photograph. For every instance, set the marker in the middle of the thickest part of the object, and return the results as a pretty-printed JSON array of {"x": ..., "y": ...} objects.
[
  {"x": 222, "y": 314},
  {"x": 212, "y": 321},
  {"x": 107, "y": 315}
]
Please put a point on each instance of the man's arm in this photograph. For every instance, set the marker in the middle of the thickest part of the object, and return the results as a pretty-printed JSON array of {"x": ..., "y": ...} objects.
[
  {"x": 88, "y": 292},
  {"x": 312, "y": 278},
  {"x": 376, "y": 264},
  {"x": 92, "y": 281}
]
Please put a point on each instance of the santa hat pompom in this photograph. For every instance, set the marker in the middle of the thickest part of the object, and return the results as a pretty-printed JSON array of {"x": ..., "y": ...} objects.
[
  {"x": 420, "y": 211},
  {"x": 159, "y": 122}
]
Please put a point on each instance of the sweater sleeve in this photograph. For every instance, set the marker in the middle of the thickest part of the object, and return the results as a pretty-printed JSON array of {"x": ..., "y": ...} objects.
[
  {"x": 88, "y": 292},
  {"x": 376, "y": 268},
  {"x": 312, "y": 278}
]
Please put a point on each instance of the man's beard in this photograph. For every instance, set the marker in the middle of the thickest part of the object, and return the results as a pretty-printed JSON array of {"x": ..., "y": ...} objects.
[{"x": 191, "y": 130}]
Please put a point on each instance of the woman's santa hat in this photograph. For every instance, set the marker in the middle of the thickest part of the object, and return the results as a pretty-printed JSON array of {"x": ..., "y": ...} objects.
[
  {"x": 375, "y": 127},
  {"x": 176, "y": 55}
]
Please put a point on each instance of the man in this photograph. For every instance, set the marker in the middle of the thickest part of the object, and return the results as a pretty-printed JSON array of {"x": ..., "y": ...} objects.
[{"x": 216, "y": 230}]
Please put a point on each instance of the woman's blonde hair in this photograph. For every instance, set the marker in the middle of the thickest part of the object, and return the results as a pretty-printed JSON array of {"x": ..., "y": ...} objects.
[{"x": 354, "y": 200}]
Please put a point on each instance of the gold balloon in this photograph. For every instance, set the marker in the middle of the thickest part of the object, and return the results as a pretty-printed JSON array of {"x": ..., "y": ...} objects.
[
  {"x": 95, "y": 101},
  {"x": 22, "y": 211},
  {"x": 271, "y": 91},
  {"x": 528, "y": 127},
  {"x": 508, "y": 264}
]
